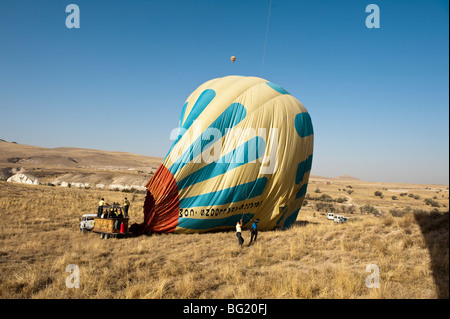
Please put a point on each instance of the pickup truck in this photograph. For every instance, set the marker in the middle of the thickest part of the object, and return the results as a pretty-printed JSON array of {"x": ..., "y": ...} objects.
[
  {"x": 87, "y": 222},
  {"x": 340, "y": 219}
]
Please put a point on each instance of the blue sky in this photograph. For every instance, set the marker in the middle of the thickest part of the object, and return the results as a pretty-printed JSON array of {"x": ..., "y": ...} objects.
[{"x": 378, "y": 98}]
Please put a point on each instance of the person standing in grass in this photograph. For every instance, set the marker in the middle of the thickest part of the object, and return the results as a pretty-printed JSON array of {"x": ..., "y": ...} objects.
[
  {"x": 126, "y": 205},
  {"x": 101, "y": 203},
  {"x": 239, "y": 232},
  {"x": 254, "y": 231}
]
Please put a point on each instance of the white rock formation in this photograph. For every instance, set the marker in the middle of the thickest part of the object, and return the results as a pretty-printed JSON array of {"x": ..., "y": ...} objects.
[{"x": 23, "y": 179}]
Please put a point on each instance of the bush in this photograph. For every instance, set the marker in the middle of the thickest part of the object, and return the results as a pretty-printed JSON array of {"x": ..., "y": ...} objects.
[
  {"x": 133, "y": 190},
  {"x": 396, "y": 212},
  {"x": 369, "y": 209},
  {"x": 378, "y": 193},
  {"x": 347, "y": 209},
  {"x": 325, "y": 198},
  {"x": 325, "y": 207},
  {"x": 431, "y": 202},
  {"x": 394, "y": 197}
]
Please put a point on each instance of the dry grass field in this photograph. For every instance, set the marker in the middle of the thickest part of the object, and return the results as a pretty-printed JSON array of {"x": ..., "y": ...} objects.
[{"x": 405, "y": 237}]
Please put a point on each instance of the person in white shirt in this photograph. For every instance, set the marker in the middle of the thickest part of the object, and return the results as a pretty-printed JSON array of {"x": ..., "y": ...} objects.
[
  {"x": 239, "y": 232},
  {"x": 101, "y": 203}
]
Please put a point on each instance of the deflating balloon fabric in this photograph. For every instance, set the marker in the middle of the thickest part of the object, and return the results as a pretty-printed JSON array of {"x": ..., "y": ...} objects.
[{"x": 244, "y": 150}]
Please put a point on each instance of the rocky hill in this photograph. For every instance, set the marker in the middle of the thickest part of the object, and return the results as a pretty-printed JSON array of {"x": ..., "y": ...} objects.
[{"x": 64, "y": 166}]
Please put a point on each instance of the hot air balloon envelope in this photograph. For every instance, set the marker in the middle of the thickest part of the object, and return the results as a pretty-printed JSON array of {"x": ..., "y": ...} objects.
[
  {"x": 243, "y": 150},
  {"x": 233, "y": 58}
]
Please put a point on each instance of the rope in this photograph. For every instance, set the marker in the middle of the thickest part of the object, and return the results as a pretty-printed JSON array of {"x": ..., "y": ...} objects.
[{"x": 265, "y": 41}]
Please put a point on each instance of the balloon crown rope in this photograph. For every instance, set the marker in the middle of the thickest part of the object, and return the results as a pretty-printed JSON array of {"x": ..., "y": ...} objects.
[{"x": 233, "y": 58}]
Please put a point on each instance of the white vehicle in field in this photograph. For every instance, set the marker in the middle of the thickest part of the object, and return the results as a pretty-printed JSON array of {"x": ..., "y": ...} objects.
[
  {"x": 330, "y": 216},
  {"x": 340, "y": 219},
  {"x": 87, "y": 222}
]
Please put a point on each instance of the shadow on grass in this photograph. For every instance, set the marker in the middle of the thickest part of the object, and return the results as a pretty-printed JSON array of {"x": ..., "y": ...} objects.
[
  {"x": 434, "y": 227},
  {"x": 303, "y": 223}
]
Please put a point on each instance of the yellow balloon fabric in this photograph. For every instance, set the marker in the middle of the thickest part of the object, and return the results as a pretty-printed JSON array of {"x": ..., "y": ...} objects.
[{"x": 243, "y": 151}]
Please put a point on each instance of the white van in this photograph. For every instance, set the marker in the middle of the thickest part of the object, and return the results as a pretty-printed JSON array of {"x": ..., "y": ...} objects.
[
  {"x": 330, "y": 216},
  {"x": 87, "y": 222}
]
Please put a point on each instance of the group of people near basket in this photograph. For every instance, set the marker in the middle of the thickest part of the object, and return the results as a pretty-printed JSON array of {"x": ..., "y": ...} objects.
[
  {"x": 253, "y": 232},
  {"x": 114, "y": 210}
]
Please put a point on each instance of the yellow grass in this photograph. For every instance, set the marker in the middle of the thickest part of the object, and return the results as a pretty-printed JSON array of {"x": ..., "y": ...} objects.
[{"x": 316, "y": 258}]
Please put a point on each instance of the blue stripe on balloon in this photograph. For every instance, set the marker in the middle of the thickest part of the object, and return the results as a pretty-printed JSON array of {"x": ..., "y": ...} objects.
[
  {"x": 302, "y": 168},
  {"x": 202, "y": 102},
  {"x": 303, "y": 124},
  {"x": 302, "y": 191},
  {"x": 291, "y": 219},
  {"x": 203, "y": 224},
  {"x": 232, "y": 116},
  {"x": 283, "y": 209},
  {"x": 277, "y": 88},
  {"x": 243, "y": 154},
  {"x": 226, "y": 196},
  {"x": 182, "y": 114}
]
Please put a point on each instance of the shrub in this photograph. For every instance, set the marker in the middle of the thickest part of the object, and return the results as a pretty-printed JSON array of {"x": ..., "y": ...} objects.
[
  {"x": 325, "y": 198},
  {"x": 431, "y": 202},
  {"x": 378, "y": 193},
  {"x": 133, "y": 190},
  {"x": 326, "y": 207},
  {"x": 369, "y": 209},
  {"x": 347, "y": 209},
  {"x": 396, "y": 212}
]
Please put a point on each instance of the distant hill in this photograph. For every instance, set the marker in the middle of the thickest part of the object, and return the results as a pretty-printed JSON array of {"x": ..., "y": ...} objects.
[
  {"x": 31, "y": 156},
  {"x": 84, "y": 167},
  {"x": 75, "y": 166},
  {"x": 345, "y": 177}
]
